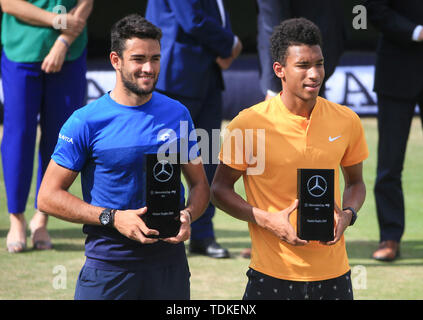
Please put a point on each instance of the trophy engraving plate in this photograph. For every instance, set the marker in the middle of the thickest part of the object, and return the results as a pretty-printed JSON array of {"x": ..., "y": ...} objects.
[
  {"x": 162, "y": 190},
  {"x": 315, "y": 213}
]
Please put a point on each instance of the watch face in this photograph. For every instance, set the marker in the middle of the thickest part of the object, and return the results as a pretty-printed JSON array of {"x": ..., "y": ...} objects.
[{"x": 104, "y": 219}]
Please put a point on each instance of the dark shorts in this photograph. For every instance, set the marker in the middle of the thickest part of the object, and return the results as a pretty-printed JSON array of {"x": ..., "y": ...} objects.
[
  {"x": 264, "y": 287},
  {"x": 169, "y": 282}
]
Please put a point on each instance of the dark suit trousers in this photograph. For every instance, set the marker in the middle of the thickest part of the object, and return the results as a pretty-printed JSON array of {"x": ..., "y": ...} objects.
[
  {"x": 206, "y": 114},
  {"x": 394, "y": 121}
]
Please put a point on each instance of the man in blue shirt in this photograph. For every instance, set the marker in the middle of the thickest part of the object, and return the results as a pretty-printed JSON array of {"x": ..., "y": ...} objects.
[{"x": 106, "y": 141}]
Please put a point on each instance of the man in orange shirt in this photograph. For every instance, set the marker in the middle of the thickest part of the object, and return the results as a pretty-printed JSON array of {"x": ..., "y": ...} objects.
[{"x": 265, "y": 144}]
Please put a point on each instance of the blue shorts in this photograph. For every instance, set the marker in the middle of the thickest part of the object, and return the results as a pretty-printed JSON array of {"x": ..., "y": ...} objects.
[{"x": 167, "y": 282}]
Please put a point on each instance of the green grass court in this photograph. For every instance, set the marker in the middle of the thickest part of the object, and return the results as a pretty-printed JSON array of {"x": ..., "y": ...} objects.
[{"x": 52, "y": 274}]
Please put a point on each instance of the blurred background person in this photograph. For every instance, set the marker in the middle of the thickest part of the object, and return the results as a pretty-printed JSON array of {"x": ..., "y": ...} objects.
[
  {"x": 197, "y": 44},
  {"x": 43, "y": 70},
  {"x": 328, "y": 15},
  {"x": 399, "y": 87}
]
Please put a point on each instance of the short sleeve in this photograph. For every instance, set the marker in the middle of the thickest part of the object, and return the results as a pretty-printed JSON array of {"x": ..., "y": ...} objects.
[
  {"x": 232, "y": 151},
  {"x": 357, "y": 150},
  {"x": 72, "y": 145}
]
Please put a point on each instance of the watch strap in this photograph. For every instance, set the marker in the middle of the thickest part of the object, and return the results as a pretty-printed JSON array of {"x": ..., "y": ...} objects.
[{"x": 354, "y": 214}]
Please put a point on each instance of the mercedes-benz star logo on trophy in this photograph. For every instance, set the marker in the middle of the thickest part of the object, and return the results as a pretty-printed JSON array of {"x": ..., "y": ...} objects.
[
  {"x": 162, "y": 194},
  {"x": 317, "y": 186},
  {"x": 315, "y": 215},
  {"x": 163, "y": 171}
]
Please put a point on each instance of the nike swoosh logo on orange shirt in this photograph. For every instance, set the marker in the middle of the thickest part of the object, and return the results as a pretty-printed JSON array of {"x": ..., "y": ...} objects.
[{"x": 333, "y": 139}]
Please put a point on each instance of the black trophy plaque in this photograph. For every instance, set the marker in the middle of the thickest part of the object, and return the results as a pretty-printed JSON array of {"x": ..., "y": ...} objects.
[
  {"x": 315, "y": 213},
  {"x": 162, "y": 195}
]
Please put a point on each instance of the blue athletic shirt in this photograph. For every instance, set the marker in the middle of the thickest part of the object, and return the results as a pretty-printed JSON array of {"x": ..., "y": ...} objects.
[{"x": 106, "y": 142}]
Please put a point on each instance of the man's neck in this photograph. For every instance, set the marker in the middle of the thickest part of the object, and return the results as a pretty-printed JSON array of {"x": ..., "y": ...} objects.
[
  {"x": 298, "y": 106},
  {"x": 127, "y": 98}
]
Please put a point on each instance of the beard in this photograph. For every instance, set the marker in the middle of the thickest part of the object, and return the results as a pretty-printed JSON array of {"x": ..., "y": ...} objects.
[{"x": 133, "y": 87}]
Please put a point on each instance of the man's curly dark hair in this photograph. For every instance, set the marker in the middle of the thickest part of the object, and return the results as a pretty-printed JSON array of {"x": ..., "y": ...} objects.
[
  {"x": 291, "y": 32},
  {"x": 133, "y": 25}
]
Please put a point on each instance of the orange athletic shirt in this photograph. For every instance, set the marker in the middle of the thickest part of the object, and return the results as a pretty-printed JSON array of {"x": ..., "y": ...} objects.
[{"x": 269, "y": 143}]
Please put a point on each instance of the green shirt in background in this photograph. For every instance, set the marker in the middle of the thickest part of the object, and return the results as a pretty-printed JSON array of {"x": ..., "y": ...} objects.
[{"x": 23, "y": 42}]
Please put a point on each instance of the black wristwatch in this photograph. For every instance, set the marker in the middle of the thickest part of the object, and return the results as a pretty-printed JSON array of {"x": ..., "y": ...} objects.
[
  {"x": 107, "y": 217},
  {"x": 354, "y": 215}
]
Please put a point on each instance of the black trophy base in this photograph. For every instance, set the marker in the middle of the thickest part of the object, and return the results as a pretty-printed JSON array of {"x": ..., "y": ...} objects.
[
  {"x": 315, "y": 213},
  {"x": 162, "y": 195},
  {"x": 167, "y": 223},
  {"x": 313, "y": 229}
]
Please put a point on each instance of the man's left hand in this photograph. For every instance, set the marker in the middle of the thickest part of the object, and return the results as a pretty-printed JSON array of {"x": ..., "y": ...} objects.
[
  {"x": 185, "y": 230},
  {"x": 342, "y": 221}
]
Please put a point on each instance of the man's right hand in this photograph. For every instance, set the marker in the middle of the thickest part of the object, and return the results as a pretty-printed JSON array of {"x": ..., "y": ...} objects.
[
  {"x": 278, "y": 223},
  {"x": 74, "y": 24},
  {"x": 225, "y": 63},
  {"x": 130, "y": 224}
]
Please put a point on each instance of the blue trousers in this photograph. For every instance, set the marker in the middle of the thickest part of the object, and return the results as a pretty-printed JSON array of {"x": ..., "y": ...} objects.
[{"x": 32, "y": 96}]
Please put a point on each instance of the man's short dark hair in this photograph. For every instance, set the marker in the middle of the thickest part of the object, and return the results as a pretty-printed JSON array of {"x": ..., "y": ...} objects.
[
  {"x": 132, "y": 26},
  {"x": 293, "y": 32}
]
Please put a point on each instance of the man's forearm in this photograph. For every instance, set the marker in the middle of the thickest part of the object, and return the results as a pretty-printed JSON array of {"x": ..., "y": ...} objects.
[
  {"x": 28, "y": 12},
  {"x": 83, "y": 8},
  {"x": 233, "y": 204},
  {"x": 63, "y": 205},
  {"x": 354, "y": 195},
  {"x": 31, "y": 14},
  {"x": 198, "y": 200}
]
